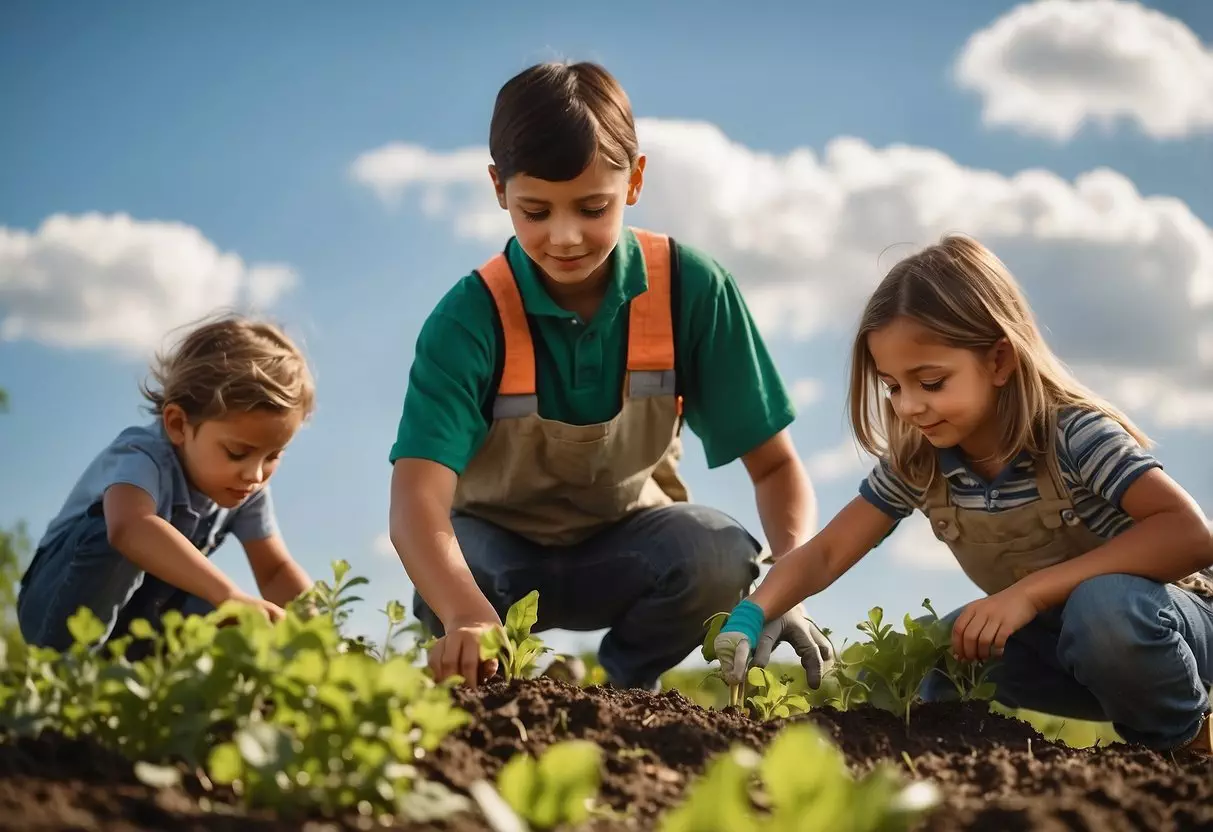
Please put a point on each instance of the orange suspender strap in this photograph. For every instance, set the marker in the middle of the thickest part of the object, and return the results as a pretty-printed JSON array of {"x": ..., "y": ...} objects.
[
  {"x": 518, "y": 372},
  {"x": 651, "y": 323}
]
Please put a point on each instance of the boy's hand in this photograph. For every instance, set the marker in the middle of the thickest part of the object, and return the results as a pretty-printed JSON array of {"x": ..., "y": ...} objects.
[
  {"x": 983, "y": 627},
  {"x": 269, "y": 609},
  {"x": 458, "y": 652}
]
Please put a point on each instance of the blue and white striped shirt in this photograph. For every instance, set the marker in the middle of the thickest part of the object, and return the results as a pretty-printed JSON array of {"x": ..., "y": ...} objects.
[{"x": 1098, "y": 458}]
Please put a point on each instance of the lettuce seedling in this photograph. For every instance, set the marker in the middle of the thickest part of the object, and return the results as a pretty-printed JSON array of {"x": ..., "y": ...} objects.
[
  {"x": 558, "y": 788},
  {"x": 806, "y": 785},
  {"x": 776, "y": 701},
  {"x": 713, "y": 626},
  {"x": 513, "y": 645}
]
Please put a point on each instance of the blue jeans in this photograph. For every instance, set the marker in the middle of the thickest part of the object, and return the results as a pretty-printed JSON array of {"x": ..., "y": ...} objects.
[
  {"x": 81, "y": 569},
  {"x": 652, "y": 580},
  {"x": 1122, "y": 649}
]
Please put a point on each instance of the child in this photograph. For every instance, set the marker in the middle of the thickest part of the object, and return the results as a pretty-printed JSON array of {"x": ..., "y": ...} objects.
[
  {"x": 541, "y": 430},
  {"x": 133, "y": 538},
  {"x": 1089, "y": 554}
]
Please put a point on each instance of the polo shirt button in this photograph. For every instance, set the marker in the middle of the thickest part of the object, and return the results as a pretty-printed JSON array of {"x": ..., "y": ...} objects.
[{"x": 994, "y": 493}]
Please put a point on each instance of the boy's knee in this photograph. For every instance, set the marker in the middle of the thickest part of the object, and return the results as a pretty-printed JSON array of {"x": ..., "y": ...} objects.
[{"x": 718, "y": 558}]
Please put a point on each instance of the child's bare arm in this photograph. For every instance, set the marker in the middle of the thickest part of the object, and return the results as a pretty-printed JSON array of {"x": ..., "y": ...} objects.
[
  {"x": 1170, "y": 539},
  {"x": 810, "y": 568},
  {"x": 151, "y": 543},
  {"x": 279, "y": 577}
]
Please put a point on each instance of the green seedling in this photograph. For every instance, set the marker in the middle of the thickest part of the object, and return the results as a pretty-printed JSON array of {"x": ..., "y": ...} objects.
[
  {"x": 513, "y": 645},
  {"x": 969, "y": 678},
  {"x": 805, "y": 785},
  {"x": 776, "y": 701},
  {"x": 284, "y": 714},
  {"x": 558, "y": 788},
  {"x": 713, "y": 625}
]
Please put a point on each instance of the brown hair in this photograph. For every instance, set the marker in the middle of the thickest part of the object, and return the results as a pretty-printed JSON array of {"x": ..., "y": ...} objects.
[
  {"x": 551, "y": 120},
  {"x": 231, "y": 364},
  {"x": 961, "y": 292}
]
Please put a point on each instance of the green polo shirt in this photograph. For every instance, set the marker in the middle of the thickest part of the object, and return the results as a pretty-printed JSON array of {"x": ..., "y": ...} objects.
[{"x": 733, "y": 398}]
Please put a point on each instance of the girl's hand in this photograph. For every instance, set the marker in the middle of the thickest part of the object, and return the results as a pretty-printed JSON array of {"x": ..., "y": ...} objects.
[{"x": 983, "y": 627}]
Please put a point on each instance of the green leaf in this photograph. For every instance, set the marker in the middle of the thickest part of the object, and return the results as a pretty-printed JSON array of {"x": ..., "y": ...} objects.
[
  {"x": 518, "y": 782},
  {"x": 714, "y": 625},
  {"x": 395, "y": 612},
  {"x": 523, "y": 615},
  {"x": 225, "y": 766},
  {"x": 85, "y": 627}
]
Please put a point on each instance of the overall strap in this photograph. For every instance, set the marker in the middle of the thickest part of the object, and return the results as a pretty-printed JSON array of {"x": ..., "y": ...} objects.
[
  {"x": 1056, "y": 506},
  {"x": 516, "y": 393},
  {"x": 651, "y": 322}
]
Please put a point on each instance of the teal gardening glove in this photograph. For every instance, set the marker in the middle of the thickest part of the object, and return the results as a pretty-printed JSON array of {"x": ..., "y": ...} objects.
[{"x": 745, "y": 627}]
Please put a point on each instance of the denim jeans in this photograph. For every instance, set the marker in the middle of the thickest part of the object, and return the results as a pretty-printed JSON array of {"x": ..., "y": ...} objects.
[
  {"x": 81, "y": 569},
  {"x": 652, "y": 580},
  {"x": 1122, "y": 649}
]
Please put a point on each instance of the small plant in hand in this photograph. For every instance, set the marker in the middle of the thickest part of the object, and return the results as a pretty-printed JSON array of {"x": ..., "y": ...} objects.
[
  {"x": 737, "y": 692},
  {"x": 513, "y": 645}
]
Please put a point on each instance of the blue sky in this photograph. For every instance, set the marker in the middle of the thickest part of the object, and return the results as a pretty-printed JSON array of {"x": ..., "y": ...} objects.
[{"x": 244, "y": 121}]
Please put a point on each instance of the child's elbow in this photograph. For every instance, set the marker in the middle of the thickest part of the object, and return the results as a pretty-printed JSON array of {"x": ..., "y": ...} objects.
[{"x": 1198, "y": 539}]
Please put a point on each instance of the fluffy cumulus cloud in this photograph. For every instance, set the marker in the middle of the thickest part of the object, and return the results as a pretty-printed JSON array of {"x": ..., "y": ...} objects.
[
  {"x": 914, "y": 544},
  {"x": 1048, "y": 68},
  {"x": 114, "y": 282},
  {"x": 1121, "y": 281}
]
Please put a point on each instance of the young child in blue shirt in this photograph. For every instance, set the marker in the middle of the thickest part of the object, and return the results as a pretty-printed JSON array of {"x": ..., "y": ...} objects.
[
  {"x": 1095, "y": 563},
  {"x": 134, "y": 536}
]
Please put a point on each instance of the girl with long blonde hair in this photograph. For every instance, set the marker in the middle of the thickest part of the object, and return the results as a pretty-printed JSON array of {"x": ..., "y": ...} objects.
[{"x": 1095, "y": 564}]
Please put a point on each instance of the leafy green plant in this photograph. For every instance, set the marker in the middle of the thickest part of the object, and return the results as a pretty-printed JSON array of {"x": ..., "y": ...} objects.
[
  {"x": 286, "y": 714},
  {"x": 805, "y": 785},
  {"x": 558, "y": 788},
  {"x": 737, "y": 692},
  {"x": 513, "y": 645},
  {"x": 969, "y": 678},
  {"x": 776, "y": 701}
]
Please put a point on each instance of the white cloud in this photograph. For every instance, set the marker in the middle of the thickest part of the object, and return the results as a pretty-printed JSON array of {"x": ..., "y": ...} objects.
[
  {"x": 809, "y": 236},
  {"x": 807, "y": 392},
  {"x": 1047, "y": 68},
  {"x": 111, "y": 281},
  {"x": 382, "y": 546},
  {"x": 844, "y": 460},
  {"x": 914, "y": 544}
]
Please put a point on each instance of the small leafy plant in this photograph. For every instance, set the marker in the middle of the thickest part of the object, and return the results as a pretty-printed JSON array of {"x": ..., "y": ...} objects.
[
  {"x": 776, "y": 701},
  {"x": 737, "y": 692},
  {"x": 513, "y": 645},
  {"x": 805, "y": 784},
  {"x": 285, "y": 713},
  {"x": 558, "y": 788}
]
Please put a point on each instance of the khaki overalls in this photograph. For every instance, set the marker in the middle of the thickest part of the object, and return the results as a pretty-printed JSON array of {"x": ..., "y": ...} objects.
[
  {"x": 998, "y": 549},
  {"x": 556, "y": 483}
]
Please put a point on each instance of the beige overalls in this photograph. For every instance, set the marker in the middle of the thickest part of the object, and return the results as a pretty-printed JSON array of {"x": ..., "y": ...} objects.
[
  {"x": 556, "y": 483},
  {"x": 997, "y": 549}
]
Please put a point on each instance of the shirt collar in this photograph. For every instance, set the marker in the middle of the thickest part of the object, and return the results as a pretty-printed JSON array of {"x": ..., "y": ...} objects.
[
  {"x": 952, "y": 463},
  {"x": 628, "y": 279}
]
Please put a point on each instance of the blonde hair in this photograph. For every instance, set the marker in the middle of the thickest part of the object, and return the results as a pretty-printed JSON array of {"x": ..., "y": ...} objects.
[
  {"x": 961, "y": 292},
  {"x": 231, "y": 364}
]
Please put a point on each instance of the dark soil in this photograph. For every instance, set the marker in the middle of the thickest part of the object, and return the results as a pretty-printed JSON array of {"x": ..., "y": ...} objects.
[{"x": 995, "y": 773}]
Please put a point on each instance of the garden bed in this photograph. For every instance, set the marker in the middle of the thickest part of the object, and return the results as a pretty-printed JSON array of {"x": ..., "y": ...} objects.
[{"x": 994, "y": 772}]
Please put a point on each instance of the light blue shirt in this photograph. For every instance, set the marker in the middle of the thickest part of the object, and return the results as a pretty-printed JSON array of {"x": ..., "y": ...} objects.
[{"x": 144, "y": 457}]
